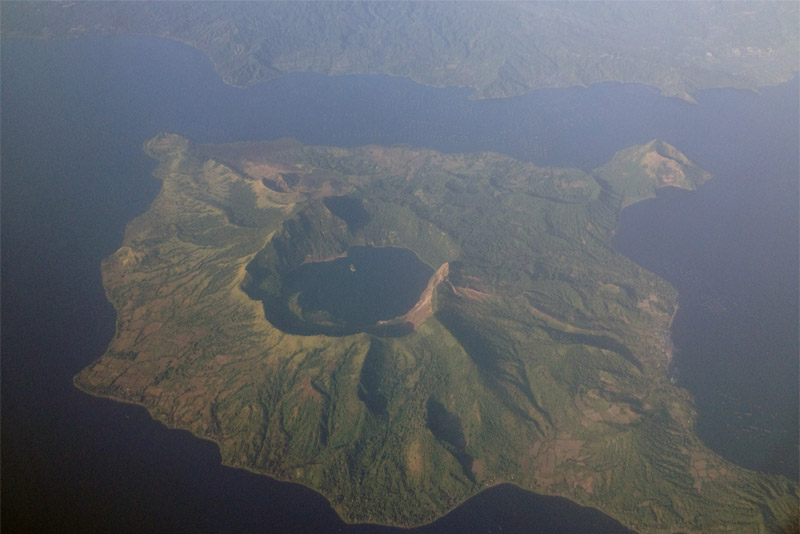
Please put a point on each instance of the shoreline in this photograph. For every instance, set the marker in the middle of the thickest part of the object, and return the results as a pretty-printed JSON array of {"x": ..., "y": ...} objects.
[{"x": 336, "y": 510}]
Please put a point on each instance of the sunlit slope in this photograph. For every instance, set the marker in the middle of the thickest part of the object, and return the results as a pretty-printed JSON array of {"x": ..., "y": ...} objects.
[
  {"x": 637, "y": 172},
  {"x": 498, "y": 48},
  {"x": 541, "y": 360}
]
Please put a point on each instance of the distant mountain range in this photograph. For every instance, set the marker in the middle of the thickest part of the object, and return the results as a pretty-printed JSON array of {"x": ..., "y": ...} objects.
[{"x": 498, "y": 48}]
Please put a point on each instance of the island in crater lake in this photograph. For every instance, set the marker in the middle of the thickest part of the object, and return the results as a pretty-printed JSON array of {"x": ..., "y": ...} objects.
[{"x": 399, "y": 329}]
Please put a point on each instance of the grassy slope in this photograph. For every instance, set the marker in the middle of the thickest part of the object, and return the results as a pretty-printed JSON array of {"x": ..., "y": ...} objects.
[
  {"x": 543, "y": 365},
  {"x": 500, "y": 49}
]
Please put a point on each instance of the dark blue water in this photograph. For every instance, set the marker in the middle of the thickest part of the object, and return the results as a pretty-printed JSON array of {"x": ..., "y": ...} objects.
[
  {"x": 74, "y": 116},
  {"x": 370, "y": 284},
  {"x": 731, "y": 249}
]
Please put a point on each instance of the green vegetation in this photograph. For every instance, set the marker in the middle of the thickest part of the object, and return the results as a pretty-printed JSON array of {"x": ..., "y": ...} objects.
[
  {"x": 637, "y": 172},
  {"x": 500, "y": 49},
  {"x": 543, "y": 363}
]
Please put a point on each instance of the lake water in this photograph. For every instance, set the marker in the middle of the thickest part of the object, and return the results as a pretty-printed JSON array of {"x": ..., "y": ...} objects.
[
  {"x": 370, "y": 284},
  {"x": 351, "y": 294},
  {"x": 74, "y": 117}
]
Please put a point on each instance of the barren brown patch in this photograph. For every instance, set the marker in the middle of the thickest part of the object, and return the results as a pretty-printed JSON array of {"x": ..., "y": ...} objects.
[
  {"x": 705, "y": 468},
  {"x": 647, "y": 304},
  {"x": 619, "y": 413},
  {"x": 266, "y": 198},
  {"x": 423, "y": 309},
  {"x": 182, "y": 340},
  {"x": 548, "y": 467},
  {"x": 536, "y": 312},
  {"x": 263, "y": 169},
  {"x": 479, "y": 470},
  {"x": 589, "y": 414},
  {"x": 222, "y": 359},
  {"x": 152, "y": 328},
  {"x": 582, "y": 480},
  {"x": 568, "y": 448},
  {"x": 469, "y": 293},
  {"x": 308, "y": 390},
  {"x": 330, "y": 366},
  {"x": 414, "y": 459},
  {"x": 554, "y": 452},
  {"x": 312, "y": 259},
  {"x": 665, "y": 170},
  {"x": 153, "y": 391}
]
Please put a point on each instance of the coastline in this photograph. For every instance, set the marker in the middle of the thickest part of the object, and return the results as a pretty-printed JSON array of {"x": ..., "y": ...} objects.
[{"x": 339, "y": 511}]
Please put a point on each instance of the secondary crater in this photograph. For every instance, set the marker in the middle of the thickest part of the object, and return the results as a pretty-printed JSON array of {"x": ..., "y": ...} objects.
[{"x": 350, "y": 210}]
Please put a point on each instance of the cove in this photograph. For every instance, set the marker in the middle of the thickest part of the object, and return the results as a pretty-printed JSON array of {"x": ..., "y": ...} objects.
[{"x": 75, "y": 115}]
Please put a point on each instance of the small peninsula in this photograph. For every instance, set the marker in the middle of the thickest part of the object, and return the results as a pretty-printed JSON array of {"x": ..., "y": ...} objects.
[{"x": 521, "y": 347}]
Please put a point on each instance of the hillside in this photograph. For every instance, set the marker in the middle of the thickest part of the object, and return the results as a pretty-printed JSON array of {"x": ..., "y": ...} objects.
[
  {"x": 498, "y": 48},
  {"x": 637, "y": 172},
  {"x": 535, "y": 354}
]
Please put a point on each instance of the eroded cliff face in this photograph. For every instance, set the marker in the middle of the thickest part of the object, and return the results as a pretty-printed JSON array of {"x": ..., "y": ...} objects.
[
  {"x": 532, "y": 355},
  {"x": 423, "y": 309}
]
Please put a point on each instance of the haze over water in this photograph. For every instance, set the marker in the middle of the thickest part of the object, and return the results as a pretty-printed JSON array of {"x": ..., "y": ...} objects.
[{"x": 75, "y": 115}]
